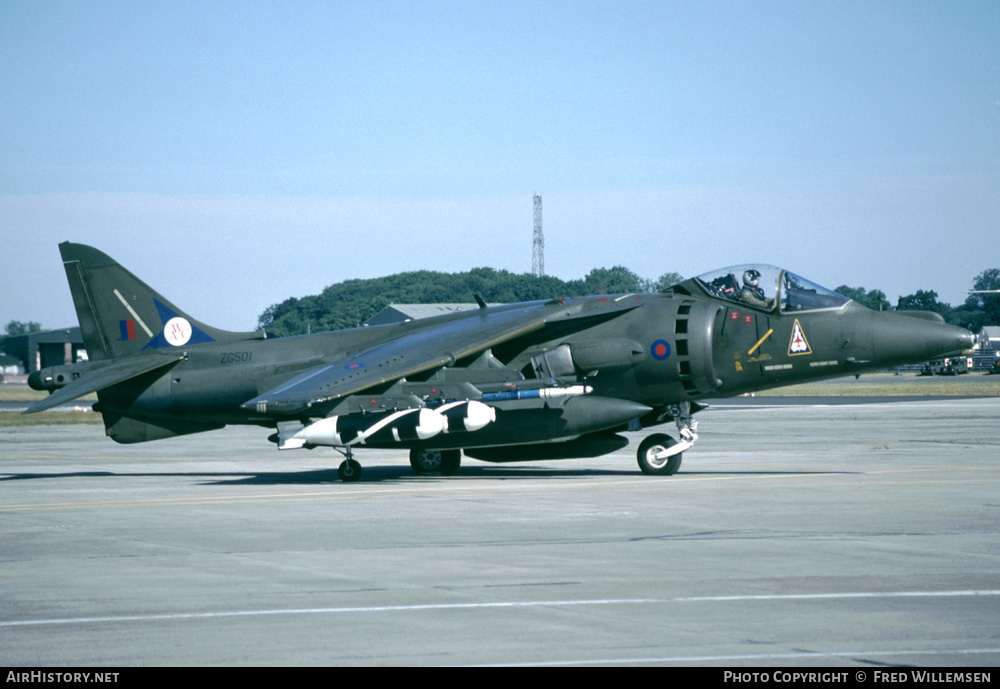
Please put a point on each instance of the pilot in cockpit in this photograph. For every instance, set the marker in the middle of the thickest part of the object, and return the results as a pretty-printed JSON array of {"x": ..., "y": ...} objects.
[{"x": 751, "y": 292}]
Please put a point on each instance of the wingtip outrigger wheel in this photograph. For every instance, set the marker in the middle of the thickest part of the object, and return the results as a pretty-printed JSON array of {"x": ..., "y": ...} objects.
[{"x": 350, "y": 469}]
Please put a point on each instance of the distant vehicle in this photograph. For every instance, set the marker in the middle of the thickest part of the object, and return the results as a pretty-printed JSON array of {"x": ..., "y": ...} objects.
[{"x": 949, "y": 366}]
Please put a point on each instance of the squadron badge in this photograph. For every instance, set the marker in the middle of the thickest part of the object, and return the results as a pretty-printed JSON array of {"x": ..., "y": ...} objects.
[{"x": 798, "y": 344}]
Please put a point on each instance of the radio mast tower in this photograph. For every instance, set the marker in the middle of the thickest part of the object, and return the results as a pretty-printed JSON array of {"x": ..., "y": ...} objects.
[{"x": 538, "y": 242}]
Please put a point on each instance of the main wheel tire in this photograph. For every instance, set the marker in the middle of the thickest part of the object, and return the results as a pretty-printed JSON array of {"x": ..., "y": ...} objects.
[
  {"x": 648, "y": 461},
  {"x": 445, "y": 462},
  {"x": 349, "y": 470},
  {"x": 426, "y": 461},
  {"x": 450, "y": 461}
]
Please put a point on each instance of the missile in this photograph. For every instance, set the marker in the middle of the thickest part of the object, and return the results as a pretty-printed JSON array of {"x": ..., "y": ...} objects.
[
  {"x": 538, "y": 393},
  {"x": 467, "y": 415}
]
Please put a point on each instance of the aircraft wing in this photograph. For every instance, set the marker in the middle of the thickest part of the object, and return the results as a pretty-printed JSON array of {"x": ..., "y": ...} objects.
[
  {"x": 105, "y": 377},
  {"x": 422, "y": 349}
]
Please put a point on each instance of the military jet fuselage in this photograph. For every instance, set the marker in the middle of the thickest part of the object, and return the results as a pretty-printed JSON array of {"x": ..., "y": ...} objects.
[{"x": 538, "y": 380}]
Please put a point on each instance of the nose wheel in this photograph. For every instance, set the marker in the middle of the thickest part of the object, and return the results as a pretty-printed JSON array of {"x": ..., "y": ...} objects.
[{"x": 659, "y": 455}]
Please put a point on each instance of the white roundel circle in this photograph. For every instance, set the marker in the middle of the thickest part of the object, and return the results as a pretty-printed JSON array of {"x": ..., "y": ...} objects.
[{"x": 177, "y": 331}]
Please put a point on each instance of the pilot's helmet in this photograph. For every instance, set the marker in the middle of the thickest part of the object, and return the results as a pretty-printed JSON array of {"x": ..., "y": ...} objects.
[{"x": 751, "y": 277}]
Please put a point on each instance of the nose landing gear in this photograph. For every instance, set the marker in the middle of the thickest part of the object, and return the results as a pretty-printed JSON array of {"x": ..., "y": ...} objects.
[{"x": 659, "y": 454}]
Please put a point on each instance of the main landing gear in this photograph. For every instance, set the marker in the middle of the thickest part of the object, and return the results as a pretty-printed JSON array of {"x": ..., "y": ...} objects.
[{"x": 444, "y": 462}]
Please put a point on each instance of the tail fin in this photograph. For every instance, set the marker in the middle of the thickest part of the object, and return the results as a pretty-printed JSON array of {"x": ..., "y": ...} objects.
[{"x": 120, "y": 315}]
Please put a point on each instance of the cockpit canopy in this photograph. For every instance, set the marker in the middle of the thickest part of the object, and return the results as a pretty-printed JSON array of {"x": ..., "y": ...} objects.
[{"x": 768, "y": 288}]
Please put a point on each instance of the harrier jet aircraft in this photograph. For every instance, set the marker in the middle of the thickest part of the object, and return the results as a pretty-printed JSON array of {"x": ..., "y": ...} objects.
[{"x": 537, "y": 380}]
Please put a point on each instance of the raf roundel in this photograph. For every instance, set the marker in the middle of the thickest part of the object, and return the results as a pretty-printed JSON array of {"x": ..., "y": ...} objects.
[
  {"x": 177, "y": 331},
  {"x": 660, "y": 350}
]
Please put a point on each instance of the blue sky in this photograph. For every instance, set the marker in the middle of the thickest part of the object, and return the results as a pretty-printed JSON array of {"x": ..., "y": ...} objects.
[{"x": 236, "y": 154}]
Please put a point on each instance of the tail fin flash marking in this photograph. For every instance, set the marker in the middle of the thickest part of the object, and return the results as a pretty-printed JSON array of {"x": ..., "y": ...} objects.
[
  {"x": 134, "y": 315},
  {"x": 128, "y": 329}
]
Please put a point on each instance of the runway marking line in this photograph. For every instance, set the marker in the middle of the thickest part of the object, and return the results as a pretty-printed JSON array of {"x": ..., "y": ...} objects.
[{"x": 500, "y": 604}]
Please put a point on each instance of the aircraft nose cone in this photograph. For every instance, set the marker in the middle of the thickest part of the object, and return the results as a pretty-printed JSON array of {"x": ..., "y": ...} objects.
[
  {"x": 901, "y": 339},
  {"x": 955, "y": 339},
  {"x": 968, "y": 339}
]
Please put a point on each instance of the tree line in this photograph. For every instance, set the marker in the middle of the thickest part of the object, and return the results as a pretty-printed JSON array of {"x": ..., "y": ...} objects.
[{"x": 352, "y": 302}]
